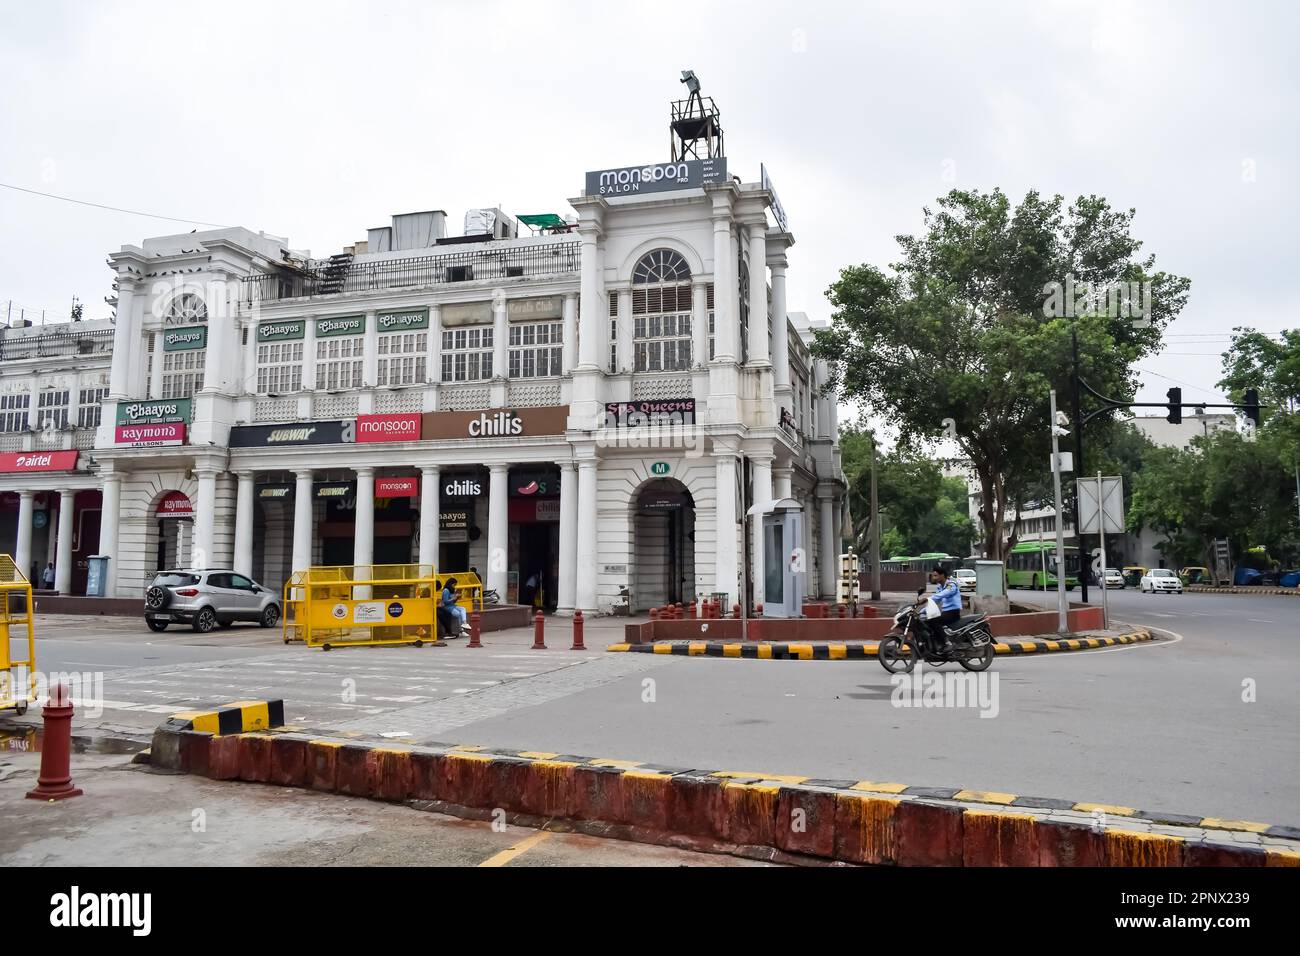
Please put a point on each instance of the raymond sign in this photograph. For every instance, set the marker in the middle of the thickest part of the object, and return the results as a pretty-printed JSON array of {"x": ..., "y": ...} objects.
[
  {"x": 372, "y": 428},
  {"x": 397, "y": 487},
  {"x": 26, "y": 461},
  {"x": 175, "y": 504},
  {"x": 146, "y": 436},
  {"x": 166, "y": 410}
]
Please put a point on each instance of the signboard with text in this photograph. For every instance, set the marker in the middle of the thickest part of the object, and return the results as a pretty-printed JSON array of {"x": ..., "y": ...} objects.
[
  {"x": 181, "y": 339},
  {"x": 148, "y": 412},
  {"x": 282, "y": 331},
  {"x": 669, "y": 411},
  {"x": 342, "y": 325},
  {"x": 656, "y": 177},
  {"x": 409, "y": 320},
  {"x": 497, "y": 423},
  {"x": 22, "y": 462},
  {"x": 397, "y": 427},
  {"x": 397, "y": 487},
  {"x": 148, "y": 436},
  {"x": 299, "y": 433}
]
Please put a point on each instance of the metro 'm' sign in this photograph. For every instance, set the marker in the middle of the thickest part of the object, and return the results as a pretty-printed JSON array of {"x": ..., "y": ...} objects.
[{"x": 372, "y": 428}]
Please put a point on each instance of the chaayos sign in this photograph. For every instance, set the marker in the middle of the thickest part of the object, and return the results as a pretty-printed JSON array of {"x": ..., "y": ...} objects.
[
  {"x": 165, "y": 410},
  {"x": 29, "y": 461},
  {"x": 395, "y": 427},
  {"x": 148, "y": 436}
]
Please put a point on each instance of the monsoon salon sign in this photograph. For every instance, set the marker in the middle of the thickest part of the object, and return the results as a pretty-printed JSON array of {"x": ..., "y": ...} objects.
[
  {"x": 656, "y": 178},
  {"x": 140, "y": 413}
]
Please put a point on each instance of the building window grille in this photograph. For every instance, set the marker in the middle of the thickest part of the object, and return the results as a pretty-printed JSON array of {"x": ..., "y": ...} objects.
[
  {"x": 467, "y": 354},
  {"x": 339, "y": 362},
  {"x": 402, "y": 357},
  {"x": 52, "y": 407},
  {"x": 661, "y": 312},
  {"x": 182, "y": 374},
  {"x": 613, "y": 334},
  {"x": 279, "y": 368},
  {"x": 13, "y": 412},
  {"x": 89, "y": 408},
  {"x": 186, "y": 309},
  {"x": 535, "y": 349}
]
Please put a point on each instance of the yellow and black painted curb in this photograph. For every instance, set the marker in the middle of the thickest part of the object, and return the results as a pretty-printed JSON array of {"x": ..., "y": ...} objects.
[
  {"x": 237, "y": 718},
  {"x": 859, "y": 650},
  {"x": 1285, "y": 592},
  {"x": 733, "y": 811}
]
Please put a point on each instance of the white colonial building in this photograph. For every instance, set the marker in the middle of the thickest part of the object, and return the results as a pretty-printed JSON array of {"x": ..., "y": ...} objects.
[{"x": 588, "y": 411}]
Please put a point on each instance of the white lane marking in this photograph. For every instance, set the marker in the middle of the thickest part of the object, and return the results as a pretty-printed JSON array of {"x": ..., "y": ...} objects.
[
  {"x": 1259, "y": 620},
  {"x": 93, "y": 664}
]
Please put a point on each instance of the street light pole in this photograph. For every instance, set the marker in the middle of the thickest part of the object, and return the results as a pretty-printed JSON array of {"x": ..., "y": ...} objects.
[
  {"x": 1085, "y": 566},
  {"x": 875, "y": 525},
  {"x": 1063, "y": 624}
]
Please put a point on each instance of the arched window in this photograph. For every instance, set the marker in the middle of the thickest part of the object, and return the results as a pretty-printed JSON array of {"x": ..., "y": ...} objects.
[
  {"x": 742, "y": 299},
  {"x": 186, "y": 309},
  {"x": 661, "y": 312}
]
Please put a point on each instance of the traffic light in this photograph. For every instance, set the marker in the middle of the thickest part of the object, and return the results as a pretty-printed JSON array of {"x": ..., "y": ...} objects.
[
  {"x": 1175, "y": 416},
  {"x": 1250, "y": 403}
]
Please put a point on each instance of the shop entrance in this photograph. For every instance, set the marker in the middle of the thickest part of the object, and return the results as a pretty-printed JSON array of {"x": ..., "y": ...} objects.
[
  {"x": 663, "y": 545},
  {"x": 539, "y": 557}
]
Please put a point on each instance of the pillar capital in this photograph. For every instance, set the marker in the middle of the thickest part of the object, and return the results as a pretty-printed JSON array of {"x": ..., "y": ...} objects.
[
  {"x": 305, "y": 474},
  {"x": 431, "y": 471},
  {"x": 364, "y": 471},
  {"x": 499, "y": 468}
]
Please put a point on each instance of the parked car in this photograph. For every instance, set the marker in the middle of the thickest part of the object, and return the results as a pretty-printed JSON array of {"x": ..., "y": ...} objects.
[
  {"x": 965, "y": 578},
  {"x": 1114, "y": 579},
  {"x": 207, "y": 599},
  {"x": 1161, "y": 579}
]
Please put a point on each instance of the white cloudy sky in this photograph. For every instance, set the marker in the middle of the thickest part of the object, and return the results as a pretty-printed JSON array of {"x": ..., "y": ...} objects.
[{"x": 316, "y": 120}]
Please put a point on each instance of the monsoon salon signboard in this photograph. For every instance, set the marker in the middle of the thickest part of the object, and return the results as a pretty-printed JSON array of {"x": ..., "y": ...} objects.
[
  {"x": 656, "y": 177},
  {"x": 151, "y": 412}
]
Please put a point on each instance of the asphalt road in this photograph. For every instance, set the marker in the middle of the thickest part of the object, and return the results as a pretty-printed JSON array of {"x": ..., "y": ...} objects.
[{"x": 1160, "y": 727}]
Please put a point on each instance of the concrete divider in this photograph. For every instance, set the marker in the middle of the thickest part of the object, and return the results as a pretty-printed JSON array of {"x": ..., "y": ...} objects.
[{"x": 787, "y": 818}]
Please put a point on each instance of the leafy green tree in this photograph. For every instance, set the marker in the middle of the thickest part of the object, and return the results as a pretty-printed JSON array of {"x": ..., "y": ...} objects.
[{"x": 956, "y": 338}]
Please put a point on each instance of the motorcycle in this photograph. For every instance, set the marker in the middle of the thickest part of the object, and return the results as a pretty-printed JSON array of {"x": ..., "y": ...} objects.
[{"x": 909, "y": 640}]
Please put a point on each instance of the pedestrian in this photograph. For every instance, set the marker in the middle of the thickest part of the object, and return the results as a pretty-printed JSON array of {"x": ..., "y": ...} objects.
[{"x": 48, "y": 576}]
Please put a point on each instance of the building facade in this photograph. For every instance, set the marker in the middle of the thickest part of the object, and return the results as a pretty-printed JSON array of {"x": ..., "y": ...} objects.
[{"x": 583, "y": 415}]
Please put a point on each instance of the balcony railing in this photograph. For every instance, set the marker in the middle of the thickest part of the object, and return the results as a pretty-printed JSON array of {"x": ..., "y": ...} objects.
[
  {"x": 14, "y": 346},
  {"x": 492, "y": 262}
]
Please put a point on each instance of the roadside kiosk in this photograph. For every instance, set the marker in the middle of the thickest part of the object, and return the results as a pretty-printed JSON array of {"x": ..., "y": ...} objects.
[{"x": 17, "y": 677}]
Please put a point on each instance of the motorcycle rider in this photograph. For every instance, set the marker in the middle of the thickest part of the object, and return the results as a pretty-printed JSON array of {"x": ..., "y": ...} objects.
[{"x": 948, "y": 596}]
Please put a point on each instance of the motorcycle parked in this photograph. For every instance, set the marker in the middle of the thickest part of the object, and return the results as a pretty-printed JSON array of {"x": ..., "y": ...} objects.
[{"x": 909, "y": 640}]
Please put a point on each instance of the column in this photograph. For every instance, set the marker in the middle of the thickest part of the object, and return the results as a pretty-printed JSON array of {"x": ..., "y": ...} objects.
[
  {"x": 758, "y": 341},
  {"x": 567, "y": 587},
  {"x": 370, "y": 351},
  {"x": 724, "y": 280},
  {"x": 700, "y": 322},
  {"x": 781, "y": 482},
  {"x": 726, "y": 573},
  {"x": 184, "y": 544},
  {"x": 590, "y": 336},
  {"x": 63, "y": 554},
  {"x": 810, "y": 582},
  {"x": 624, "y": 353},
  {"x": 830, "y": 557},
  {"x": 23, "y": 550},
  {"x": 760, "y": 480},
  {"x": 123, "y": 339},
  {"x": 244, "y": 505},
  {"x": 780, "y": 339},
  {"x": 433, "y": 353},
  {"x": 363, "y": 545},
  {"x": 205, "y": 519},
  {"x": 500, "y": 340},
  {"x": 498, "y": 529},
  {"x": 430, "y": 509},
  {"x": 302, "y": 521},
  {"x": 156, "y": 367},
  {"x": 570, "y": 349},
  {"x": 585, "y": 592},
  {"x": 248, "y": 378},
  {"x": 108, "y": 522}
]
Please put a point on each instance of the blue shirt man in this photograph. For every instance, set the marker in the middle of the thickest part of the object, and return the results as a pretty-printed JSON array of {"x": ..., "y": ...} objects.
[{"x": 948, "y": 596}]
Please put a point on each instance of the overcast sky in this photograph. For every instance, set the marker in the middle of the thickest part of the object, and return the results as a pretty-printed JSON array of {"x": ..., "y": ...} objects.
[{"x": 318, "y": 120}]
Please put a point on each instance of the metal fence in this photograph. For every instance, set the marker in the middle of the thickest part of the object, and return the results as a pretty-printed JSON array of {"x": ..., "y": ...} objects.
[
  {"x": 55, "y": 344},
  {"x": 491, "y": 263}
]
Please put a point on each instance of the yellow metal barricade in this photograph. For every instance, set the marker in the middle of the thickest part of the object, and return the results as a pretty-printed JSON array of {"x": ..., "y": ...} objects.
[
  {"x": 372, "y": 605},
  {"x": 292, "y": 608},
  {"x": 17, "y": 677}
]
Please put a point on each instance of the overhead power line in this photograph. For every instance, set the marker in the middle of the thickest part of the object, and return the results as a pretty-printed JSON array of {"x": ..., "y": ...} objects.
[{"x": 95, "y": 205}]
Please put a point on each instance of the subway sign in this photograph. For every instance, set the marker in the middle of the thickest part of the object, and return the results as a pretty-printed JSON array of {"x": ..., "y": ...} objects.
[
  {"x": 152, "y": 412},
  {"x": 178, "y": 340},
  {"x": 281, "y": 331},
  {"x": 345, "y": 325},
  {"x": 656, "y": 177},
  {"x": 410, "y": 320},
  {"x": 299, "y": 433}
]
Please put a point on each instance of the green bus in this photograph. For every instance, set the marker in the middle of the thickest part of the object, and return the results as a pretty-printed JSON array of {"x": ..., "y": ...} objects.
[
  {"x": 926, "y": 562},
  {"x": 1032, "y": 564}
]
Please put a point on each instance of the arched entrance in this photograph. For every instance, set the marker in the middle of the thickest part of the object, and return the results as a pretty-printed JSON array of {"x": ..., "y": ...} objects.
[
  {"x": 174, "y": 520},
  {"x": 663, "y": 545}
]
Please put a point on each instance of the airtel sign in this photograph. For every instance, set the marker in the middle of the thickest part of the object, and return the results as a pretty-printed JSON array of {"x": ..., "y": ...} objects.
[{"x": 377, "y": 428}]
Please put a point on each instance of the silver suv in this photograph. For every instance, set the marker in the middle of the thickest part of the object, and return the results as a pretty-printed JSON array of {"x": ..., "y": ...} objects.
[{"x": 207, "y": 600}]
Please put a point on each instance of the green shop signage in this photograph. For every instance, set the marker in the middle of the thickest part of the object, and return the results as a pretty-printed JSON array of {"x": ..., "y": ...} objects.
[
  {"x": 411, "y": 320},
  {"x": 190, "y": 337},
  {"x": 345, "y": 325},
  {"x": 281, "y": 331},
  {"x": 142, "y": 413}
]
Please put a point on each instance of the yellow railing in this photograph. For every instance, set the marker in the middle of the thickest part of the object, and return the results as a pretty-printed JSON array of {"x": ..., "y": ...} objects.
[{"x": 16, "y": 608}]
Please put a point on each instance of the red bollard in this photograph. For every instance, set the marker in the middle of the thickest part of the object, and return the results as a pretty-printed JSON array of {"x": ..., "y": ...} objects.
[
  {"x": 539, "y": 632},
  {"x": 758, "y": 610},
  {"x": 735, "y": 610},
  {"x": 841, "y": 610},
  {"x": 692, "y": 611},
  {"x": 654, "y": 614},
  {"x": 55, "y": 780},
  {"x": 473, "y": 630},
  {"x": 577, "y": 633}
]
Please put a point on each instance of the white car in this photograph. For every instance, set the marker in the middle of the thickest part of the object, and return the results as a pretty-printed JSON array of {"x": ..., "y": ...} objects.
[
  {"x": 965, "y": 578},
  {"x": 1160, "y": 579},
  {"x": 1113, "y": 578}
]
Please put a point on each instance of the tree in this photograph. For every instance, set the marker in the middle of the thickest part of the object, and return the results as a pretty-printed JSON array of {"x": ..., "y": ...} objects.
[{"x": 963, "y": 337}]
